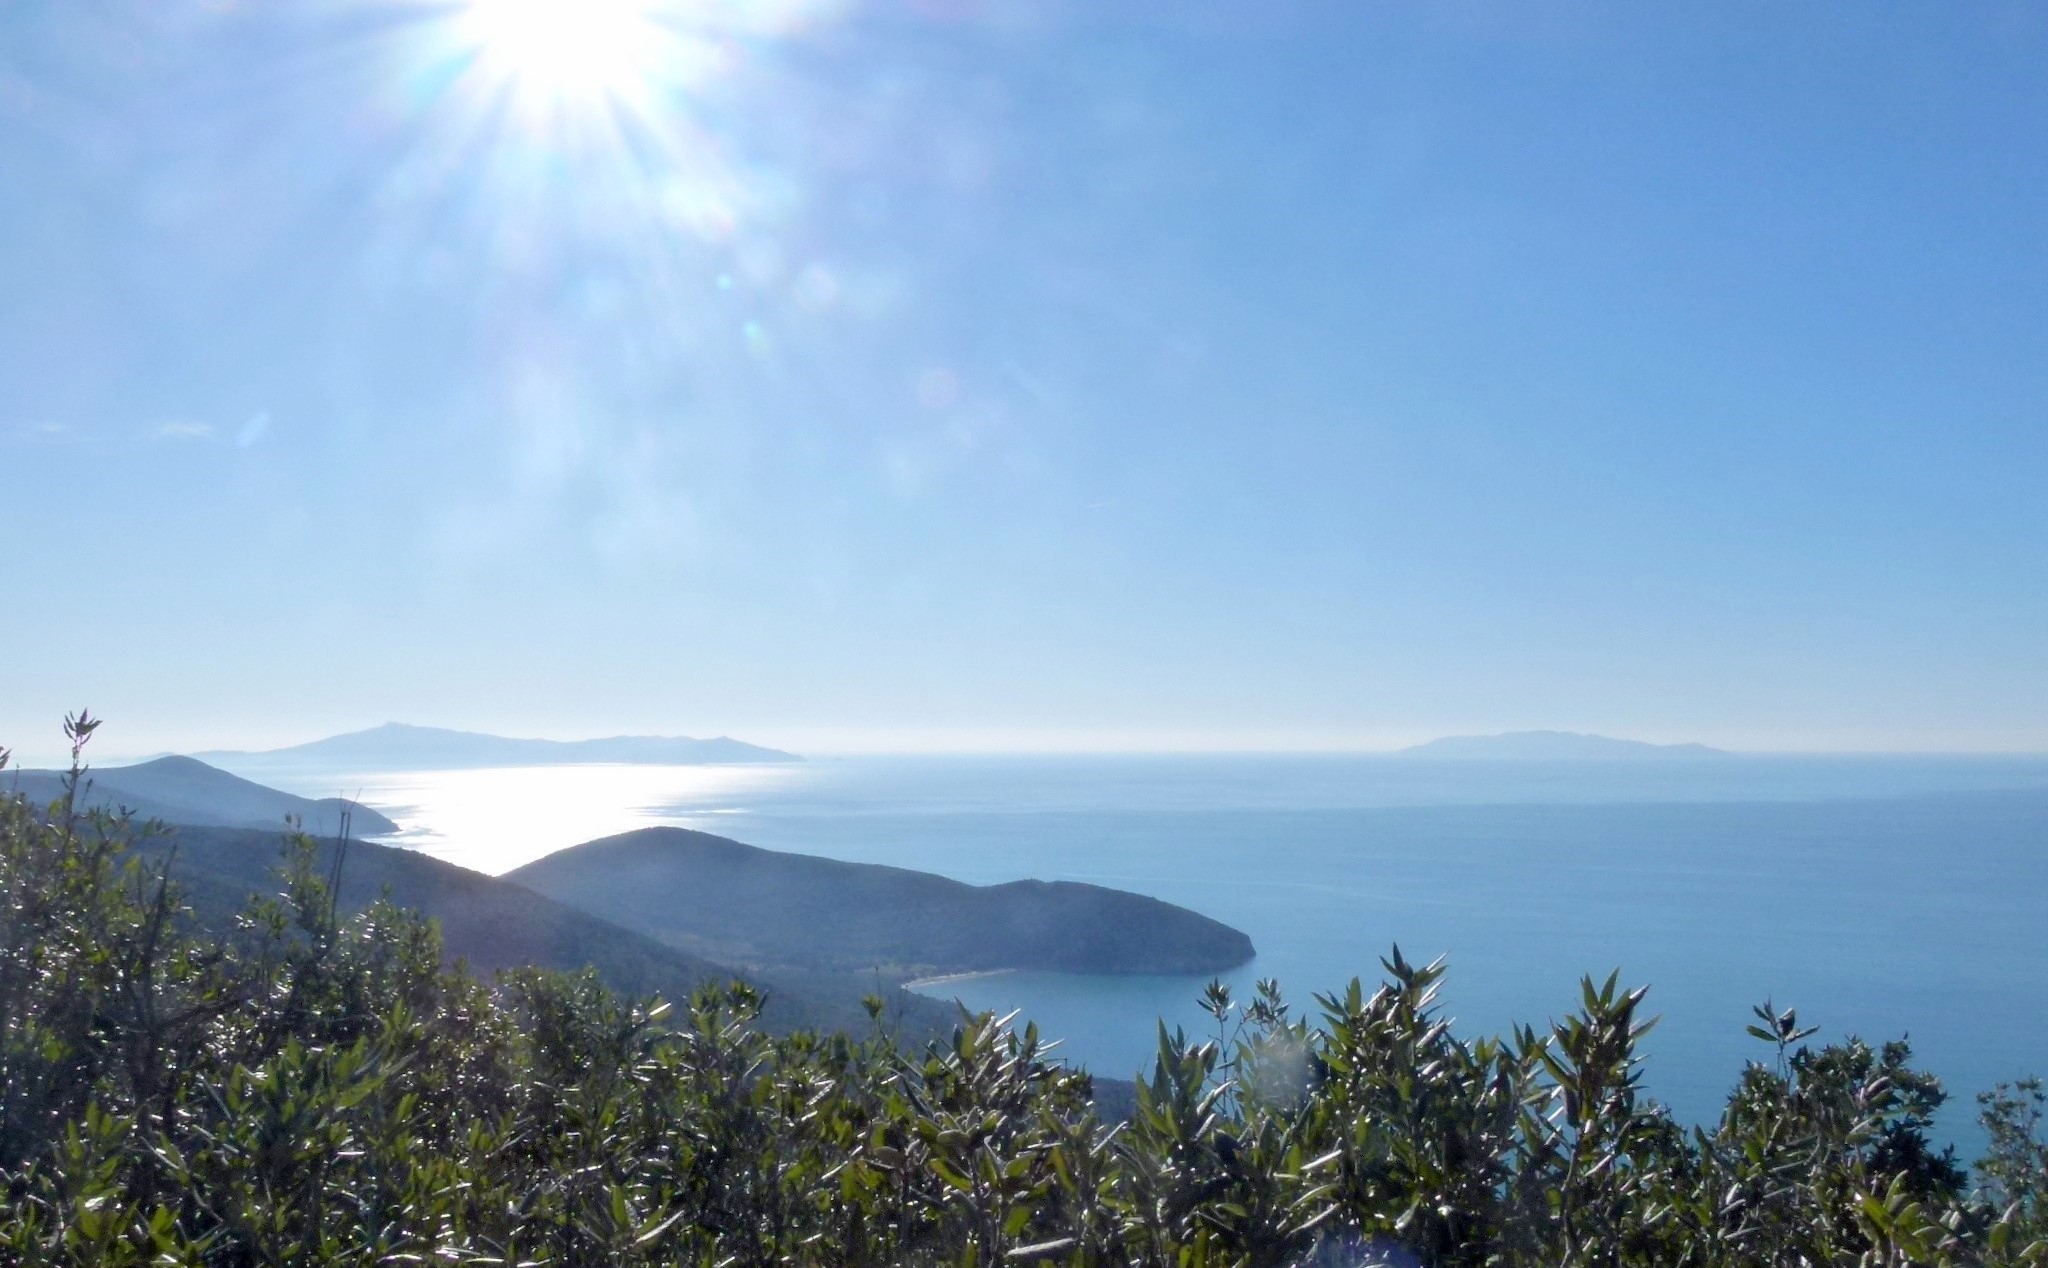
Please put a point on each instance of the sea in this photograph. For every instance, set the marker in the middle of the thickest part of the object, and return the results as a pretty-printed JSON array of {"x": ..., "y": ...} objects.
[{"x": 1886, "y": 897}]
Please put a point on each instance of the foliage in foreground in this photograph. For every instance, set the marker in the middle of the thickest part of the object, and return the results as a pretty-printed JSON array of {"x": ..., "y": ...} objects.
[{"x": 314, "y": 1090}]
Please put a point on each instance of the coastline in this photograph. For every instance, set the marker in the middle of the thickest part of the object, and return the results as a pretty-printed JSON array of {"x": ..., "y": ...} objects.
[{"x": 943, "y": 979}]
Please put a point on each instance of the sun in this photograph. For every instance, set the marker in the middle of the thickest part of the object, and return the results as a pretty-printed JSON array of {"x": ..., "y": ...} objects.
[{"x": 564, "y": 52}]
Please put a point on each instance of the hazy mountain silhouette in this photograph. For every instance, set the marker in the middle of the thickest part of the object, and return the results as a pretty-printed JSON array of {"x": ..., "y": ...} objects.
[
  {"x": 1553, "y": 745},
  {"x": 187, "y": 790},
  {"x": 752, "y": 906},
  {"x": 397, "y": 746}
]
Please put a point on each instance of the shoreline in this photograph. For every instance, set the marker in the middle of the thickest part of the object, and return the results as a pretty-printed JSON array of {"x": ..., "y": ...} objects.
[{"x": 942, "y": 979}]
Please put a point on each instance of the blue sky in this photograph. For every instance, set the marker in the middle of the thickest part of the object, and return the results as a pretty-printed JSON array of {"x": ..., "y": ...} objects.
[{"x": 962, "y": 375}]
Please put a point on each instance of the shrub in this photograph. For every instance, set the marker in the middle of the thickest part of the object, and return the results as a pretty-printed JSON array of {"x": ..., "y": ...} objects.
[{"x": 306, "y": 1088}]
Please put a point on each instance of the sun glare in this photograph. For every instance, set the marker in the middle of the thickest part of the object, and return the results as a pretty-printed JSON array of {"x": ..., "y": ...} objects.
[{"x": 561, "y": 52}]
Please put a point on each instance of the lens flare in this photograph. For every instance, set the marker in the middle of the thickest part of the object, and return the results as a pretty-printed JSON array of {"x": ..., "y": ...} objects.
[{"x": 565, "y": 51}]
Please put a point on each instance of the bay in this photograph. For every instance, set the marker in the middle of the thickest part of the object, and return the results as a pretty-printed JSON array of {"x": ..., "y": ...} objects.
[{"x": 1882, "y": 896}]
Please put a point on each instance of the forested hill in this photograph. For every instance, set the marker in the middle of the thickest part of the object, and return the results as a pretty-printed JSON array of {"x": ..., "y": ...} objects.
[
  {"x": 187, "y": 790},
  {"x": 747, "y": 905},
  {"x": 493, "y": 924}
]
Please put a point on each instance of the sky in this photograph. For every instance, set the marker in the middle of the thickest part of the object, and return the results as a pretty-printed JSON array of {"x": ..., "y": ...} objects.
[{"x": 949, "y": 375}]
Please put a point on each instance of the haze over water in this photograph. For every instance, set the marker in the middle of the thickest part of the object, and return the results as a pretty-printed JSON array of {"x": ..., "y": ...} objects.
[{"x": 1880, "y": 895}]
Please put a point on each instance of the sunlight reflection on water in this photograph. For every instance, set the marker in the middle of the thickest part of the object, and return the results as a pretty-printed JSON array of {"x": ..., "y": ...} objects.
[{"x": 493, "y": 820}]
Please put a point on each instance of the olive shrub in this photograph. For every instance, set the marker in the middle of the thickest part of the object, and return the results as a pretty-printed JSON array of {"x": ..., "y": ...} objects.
[{"x": 310, "y": 1088}]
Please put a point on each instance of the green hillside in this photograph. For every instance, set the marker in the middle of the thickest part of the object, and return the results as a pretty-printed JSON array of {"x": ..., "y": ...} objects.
[
  {"x": 494, "y": 924},
  {"x": 747, "y": 905},
  {"x": 187, "y": 790}
]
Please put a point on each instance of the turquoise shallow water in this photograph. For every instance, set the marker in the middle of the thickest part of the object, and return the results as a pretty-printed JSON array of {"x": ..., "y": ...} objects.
[{"x": 1885, "y": 897}]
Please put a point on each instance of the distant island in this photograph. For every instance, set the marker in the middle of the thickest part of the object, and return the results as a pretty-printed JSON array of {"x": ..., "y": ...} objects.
[
  {"x": 1553, "y": 746},
  {"x": 743, "y": 905},
  {"x": 187, "y": 791},
  {"x": 397, "y": 746}
]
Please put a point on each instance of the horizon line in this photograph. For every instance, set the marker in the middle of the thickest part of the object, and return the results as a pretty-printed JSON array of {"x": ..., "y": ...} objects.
[{"x": 56, "y": 759}]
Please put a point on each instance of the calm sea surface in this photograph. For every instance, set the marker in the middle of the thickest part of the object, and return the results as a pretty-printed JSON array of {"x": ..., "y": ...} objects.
[{"x": 1880, "y": 896}]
